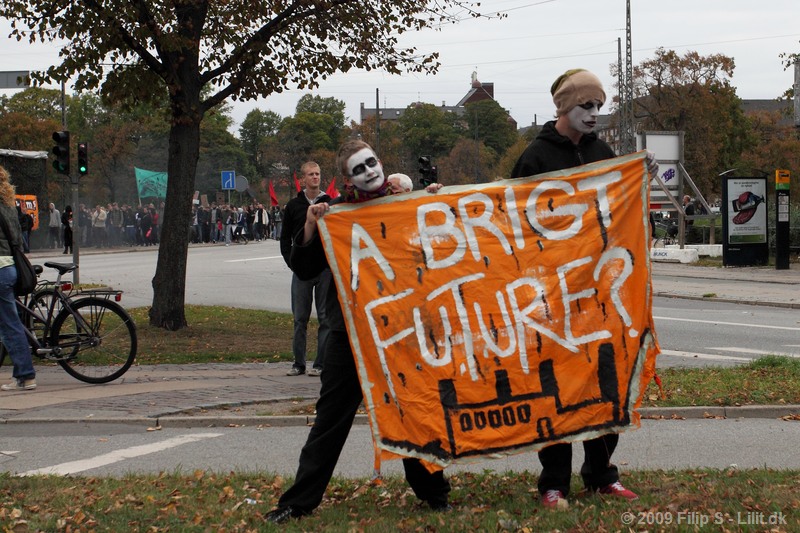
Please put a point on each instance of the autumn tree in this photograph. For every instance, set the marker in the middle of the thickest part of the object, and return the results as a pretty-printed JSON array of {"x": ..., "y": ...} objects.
[
  {"x": 692, "y": 93},
  {"x": 489, "y": 123},
  {"x": 256, "y": 130},
  {"x": 140, "y": 49},
  {"x": 428, "y": 129},
  {"x": 468, "y": 162}
]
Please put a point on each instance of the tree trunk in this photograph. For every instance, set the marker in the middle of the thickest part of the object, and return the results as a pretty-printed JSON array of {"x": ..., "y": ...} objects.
[{"x": 169, "y": 282}]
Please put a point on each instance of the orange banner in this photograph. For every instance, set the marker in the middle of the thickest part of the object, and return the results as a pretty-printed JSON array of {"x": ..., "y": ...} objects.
[{"x": 500, "y": 317}]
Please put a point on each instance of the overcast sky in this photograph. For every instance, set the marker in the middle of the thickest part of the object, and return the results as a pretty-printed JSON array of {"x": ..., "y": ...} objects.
[{"x": 523, "y": 53}]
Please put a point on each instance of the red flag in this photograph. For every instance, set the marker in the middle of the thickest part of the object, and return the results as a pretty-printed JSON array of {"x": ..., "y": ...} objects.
[
  {"x": 297, "y": 183},
  {"x": 273, "y": 198},
  {"x": 332, "y": 192}
]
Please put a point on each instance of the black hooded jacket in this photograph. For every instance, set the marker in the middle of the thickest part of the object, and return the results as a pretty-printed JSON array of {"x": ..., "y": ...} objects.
[{"x": 552, "y": 151}]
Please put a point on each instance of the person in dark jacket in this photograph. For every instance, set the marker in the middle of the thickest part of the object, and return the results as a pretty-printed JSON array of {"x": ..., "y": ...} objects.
[
  {"x": 566, "y": 142},
  {"x": 306, "y": 291},
  {"x": 66, "y": 222},
  {"x": 12, "y": 332},
  {"x": 26, "y": 225},
  {"x": 341, "y": 392}
]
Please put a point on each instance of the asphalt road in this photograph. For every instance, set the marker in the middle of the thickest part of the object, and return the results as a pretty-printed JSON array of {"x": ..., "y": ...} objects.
[{"x": 109, "y": 450}]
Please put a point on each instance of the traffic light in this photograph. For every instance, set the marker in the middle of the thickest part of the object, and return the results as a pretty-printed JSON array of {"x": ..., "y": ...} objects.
[
  {"x": 61, "y": 151},
  {"x": 83, "y": 158},
  {"x": 430, "y": 174}
]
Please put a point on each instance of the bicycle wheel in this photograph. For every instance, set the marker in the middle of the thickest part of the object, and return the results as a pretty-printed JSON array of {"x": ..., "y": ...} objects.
[{"x": 102, "y": 353}]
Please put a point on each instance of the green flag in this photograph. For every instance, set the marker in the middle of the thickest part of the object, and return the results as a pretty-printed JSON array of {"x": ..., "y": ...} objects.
[{"x": 151, "y": 184}]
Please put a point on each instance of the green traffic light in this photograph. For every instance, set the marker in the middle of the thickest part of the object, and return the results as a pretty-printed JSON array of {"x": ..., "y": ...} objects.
[{"x": 83, "y": 158}]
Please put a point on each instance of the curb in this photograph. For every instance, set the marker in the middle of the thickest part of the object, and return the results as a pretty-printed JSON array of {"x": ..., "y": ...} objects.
[
  {"x": 766, "y": 303},
  {"x": 186, "y": 422}
]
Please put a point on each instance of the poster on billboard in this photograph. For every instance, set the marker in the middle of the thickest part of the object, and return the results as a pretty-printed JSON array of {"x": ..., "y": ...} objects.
[
  {"x": 744, "y": 221},
  {"x": 747, "y": 210}
]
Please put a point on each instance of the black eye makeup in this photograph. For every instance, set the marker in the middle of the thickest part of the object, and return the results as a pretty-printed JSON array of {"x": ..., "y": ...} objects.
[
  {"x": 588, "y": 105},
  {"x": 362, "y": 167}
]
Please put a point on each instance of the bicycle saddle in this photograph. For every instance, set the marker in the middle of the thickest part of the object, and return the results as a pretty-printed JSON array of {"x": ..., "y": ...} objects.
[{"x": 62, "y": 268}]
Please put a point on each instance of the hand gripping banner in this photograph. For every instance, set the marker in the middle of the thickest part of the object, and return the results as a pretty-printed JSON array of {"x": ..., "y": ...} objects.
[{"x": 501, "y": 317}]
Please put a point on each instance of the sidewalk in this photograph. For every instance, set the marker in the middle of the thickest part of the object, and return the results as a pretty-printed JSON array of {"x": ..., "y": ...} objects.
[{"x": 157, "y": 395}]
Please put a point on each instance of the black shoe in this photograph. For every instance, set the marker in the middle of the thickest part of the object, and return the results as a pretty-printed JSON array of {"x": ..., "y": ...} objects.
[
  {"x": 440, "y": 507},
  {"x": 283, "y": 514}
]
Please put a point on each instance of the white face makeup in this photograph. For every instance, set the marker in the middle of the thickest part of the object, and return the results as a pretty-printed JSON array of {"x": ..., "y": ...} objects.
[
  {"x": 583, "y": 117},
  {"x": 365, "y": 170}
]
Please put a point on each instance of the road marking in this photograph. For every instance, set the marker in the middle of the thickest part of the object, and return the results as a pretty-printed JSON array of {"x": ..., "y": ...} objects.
[
  {"x": 754, "y": 352},
  {"x": 711, "y": 356},
  {"x": 253, "y": 259},
  {"x": 717, "y": 322},
  {"x": 74, "y": 467}
]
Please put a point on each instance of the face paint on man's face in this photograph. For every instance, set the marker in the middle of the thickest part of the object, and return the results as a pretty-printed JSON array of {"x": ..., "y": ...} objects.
[
  {"x": 365, "y": 170},
  {"x": 583, "y": 117}
]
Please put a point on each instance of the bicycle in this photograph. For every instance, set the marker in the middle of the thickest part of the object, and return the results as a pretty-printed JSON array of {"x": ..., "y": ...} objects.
[{"x": 90, "y": 336}]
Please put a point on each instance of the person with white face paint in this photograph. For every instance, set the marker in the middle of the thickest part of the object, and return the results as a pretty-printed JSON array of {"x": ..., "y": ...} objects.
[
  {"x": 566, "y": 142},
  {"x": 341, "y": 395}
]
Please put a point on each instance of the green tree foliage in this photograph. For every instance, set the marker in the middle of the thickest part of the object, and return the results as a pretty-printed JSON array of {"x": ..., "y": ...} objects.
[
  {"x": 151, "y": 49},
  {"x": 429, "y": 130},
  {"x": 490, "y": 123},
  {"x": 35, "y": 102},
  {"x": 304, "y": 133},
  {"x": 256, "y": 128},
  {"x": 692, "y": 93},
  {"x": 323, "y": 106}
]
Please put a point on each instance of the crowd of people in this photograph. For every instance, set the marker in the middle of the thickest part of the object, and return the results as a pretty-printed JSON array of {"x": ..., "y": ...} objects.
[
  {"x": 101, "y": 227},
  {"x": 124, "y": 225},
  {"x": 228, "y": 222}
]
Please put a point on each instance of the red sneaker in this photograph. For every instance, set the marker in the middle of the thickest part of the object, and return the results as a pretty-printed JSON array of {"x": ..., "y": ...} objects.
[
  {"x": 618, "y": 490},
  {"x": 554, "y": 499}
]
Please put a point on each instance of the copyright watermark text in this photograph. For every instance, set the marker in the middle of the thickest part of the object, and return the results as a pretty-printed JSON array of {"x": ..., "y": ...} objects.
[{"x": 694, "y": 518}]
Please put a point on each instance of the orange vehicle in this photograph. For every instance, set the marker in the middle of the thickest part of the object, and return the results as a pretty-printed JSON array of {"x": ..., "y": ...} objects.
[{"x": 29, "y": 204}]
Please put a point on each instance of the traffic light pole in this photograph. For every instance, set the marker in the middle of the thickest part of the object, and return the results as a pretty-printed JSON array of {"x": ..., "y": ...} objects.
[{"x": 76, "y": 230}]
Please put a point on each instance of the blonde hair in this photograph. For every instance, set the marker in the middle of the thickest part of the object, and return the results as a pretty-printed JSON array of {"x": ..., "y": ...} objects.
[
  {"x": 7, "y": 191},
  {"x": 350, "y": 147},
  {"x": 305, "y": 167}
]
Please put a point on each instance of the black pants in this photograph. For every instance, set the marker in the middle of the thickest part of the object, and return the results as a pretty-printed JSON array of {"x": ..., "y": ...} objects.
[
  {"x": 67, "y": 238},
  {"x": 339, "y": 399},
  {"x": 597, "y": 470}
]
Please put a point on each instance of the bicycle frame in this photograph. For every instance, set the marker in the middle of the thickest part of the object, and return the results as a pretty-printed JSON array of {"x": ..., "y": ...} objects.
[{"x": 39, "y": 347}]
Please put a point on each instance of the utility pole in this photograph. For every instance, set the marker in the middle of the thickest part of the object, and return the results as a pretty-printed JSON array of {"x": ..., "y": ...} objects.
[
  {"x": 628, "y": 142},
  {"x": 797, "y": 93},
  {"x": 621, "y": 93},
  {"x": 377, "y": 121}
]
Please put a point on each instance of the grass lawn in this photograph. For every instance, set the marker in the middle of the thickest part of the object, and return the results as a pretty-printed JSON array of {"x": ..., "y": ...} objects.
[{"x": 693, "y": 500}]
